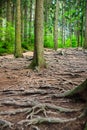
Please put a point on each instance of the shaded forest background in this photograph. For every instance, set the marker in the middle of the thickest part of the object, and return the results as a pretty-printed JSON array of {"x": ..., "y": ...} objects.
[{"x": 64, "y": 18}]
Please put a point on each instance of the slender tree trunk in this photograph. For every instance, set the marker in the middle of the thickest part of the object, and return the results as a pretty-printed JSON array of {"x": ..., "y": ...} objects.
[
  {"x": 22, "y": 23},
  {"x": 26, "y": 21},
  {"x": 62, "y": 26},
  {"x": 9, "y": 22},
  {"x": 70, "y": 34},
  {"x": 78, "y": 35},
  {"x": 85, "y": 43},
  {"x": 13, "y": 15},
  {"x": 47, "y": 4},
  {"x": 82, "y": 31},
  {"x": 30, "y": 18},
  {"x": 18, "y": 51},
  {"x": 1, "y": 18},
  {"x": 56, "y": 26},
  {"x": 38, "y": 60},
  {"x": 9, "y": 11}
]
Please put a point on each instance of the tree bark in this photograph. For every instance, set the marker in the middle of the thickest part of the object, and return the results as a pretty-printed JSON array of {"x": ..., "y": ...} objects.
[
  {"x": 85, "y": 43},
  {"x": 56, "y": 26},
  {"x": 80, "y": 91},
  {"x": 18, "y": 50},
  {"x": 38, "y": 60},
  {"x": 26, "y": 21},
  {"x": 9, "y": 11}
]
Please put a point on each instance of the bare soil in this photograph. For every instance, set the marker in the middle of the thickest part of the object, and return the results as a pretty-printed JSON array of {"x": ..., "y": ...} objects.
[{"x": 27, "y": 94}]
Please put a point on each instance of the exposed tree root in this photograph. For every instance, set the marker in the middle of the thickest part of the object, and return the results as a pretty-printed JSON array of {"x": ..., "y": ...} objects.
[
  {"x": 37, "y": 105},
  {"x": 36, "y": 108},
  {"x": 80, "y": 90},
  {"x": 30, "y": 92},
  {"x": 84, "y": 113},
  {"x": 5, "y": 124},
  {"x": 19, "y": 104},
  {"x": 14, "y": 112},
  {"x": 60, "y": 109},
  {"x": 40, "y": 120},
  {"x": 22, "y": 92}
]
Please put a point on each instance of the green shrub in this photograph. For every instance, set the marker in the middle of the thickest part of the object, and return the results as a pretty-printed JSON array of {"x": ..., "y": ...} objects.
[
  {"x": 27, "y": 46},
  {"x": 7, "y": 38},
  {"x": 48, "y": 41},
  {"x": 74, "y": 41}
]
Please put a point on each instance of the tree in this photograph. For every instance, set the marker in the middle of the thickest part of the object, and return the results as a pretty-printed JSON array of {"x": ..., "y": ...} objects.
[
  {"x": 26, "y": 20},
  {"x": 47, "y": 5},
  {"x": 18, "y": 50},
  {"x": 9, "y": 11},
  {"x": 30, "y": 18},
  {"x": 56, "y": 26},
  {"x": 85, "y": 43},
  {"x": 38, "y": 58}
]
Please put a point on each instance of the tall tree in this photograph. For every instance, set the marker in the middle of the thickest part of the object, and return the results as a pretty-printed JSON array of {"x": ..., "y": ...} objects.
[
  {"x": 85, "y": 43},
  {"x": 38, "y": 59},
  {"x": 47, "y": 5},
  {"x": 18, "y": 50},
  {"x": 26, "y": 20},
  {"x": 9, "y": 11},
  {"x": 56, "y": 26},
  {"x": 30, "y": 18}
]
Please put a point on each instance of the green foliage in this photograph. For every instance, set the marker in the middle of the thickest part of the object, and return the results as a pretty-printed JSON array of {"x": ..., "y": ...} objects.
[
  {"x": 7, "y": 34},
  {"x": 48, "y": 41},
  {"x": 27, "y": 46},
  {"x": 31, "y": 39},
  {"x": 73, "y": 42}
]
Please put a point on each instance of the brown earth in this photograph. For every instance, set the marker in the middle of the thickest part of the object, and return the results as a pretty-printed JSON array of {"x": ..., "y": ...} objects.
[{"x": 27, "y": 94}]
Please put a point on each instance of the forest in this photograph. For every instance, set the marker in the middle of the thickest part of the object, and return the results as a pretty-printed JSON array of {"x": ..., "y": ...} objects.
[{"x": 43, "y": 65}]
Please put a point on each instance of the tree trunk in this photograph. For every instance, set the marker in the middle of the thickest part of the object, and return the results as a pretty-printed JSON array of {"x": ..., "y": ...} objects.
[
  {"x": 79, "y": 91},
  {"x": 78, "y": 35},
  {"x": 18, "y": 50},
  {"x": 22, "y": 23},
  {"x": 38, "y": 60},
  {"x": 13, "y": 15},
  {"x": 30, "y": 18},
  {"x": 9, "y": 11},
  {"x": 47, "y": 4},
  {"x": 62, "y": 25},
  {"x": 26, "y": 21},
  {"x": 56, "y": 26},
  {"x": 82, "y": 31},
  {"x": 85, "y": 43},
  {"x": 1, "y": 19}
]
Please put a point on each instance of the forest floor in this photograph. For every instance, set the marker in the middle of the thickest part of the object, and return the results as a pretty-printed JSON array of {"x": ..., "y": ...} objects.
[{"x": 27, "y": 97}]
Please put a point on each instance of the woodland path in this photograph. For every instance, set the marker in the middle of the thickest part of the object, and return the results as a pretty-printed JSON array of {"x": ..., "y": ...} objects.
[{"x": 26, "y": 96}]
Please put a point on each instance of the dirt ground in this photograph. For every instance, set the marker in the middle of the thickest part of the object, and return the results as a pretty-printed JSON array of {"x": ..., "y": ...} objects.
[{"x": 27, "y": 100}]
